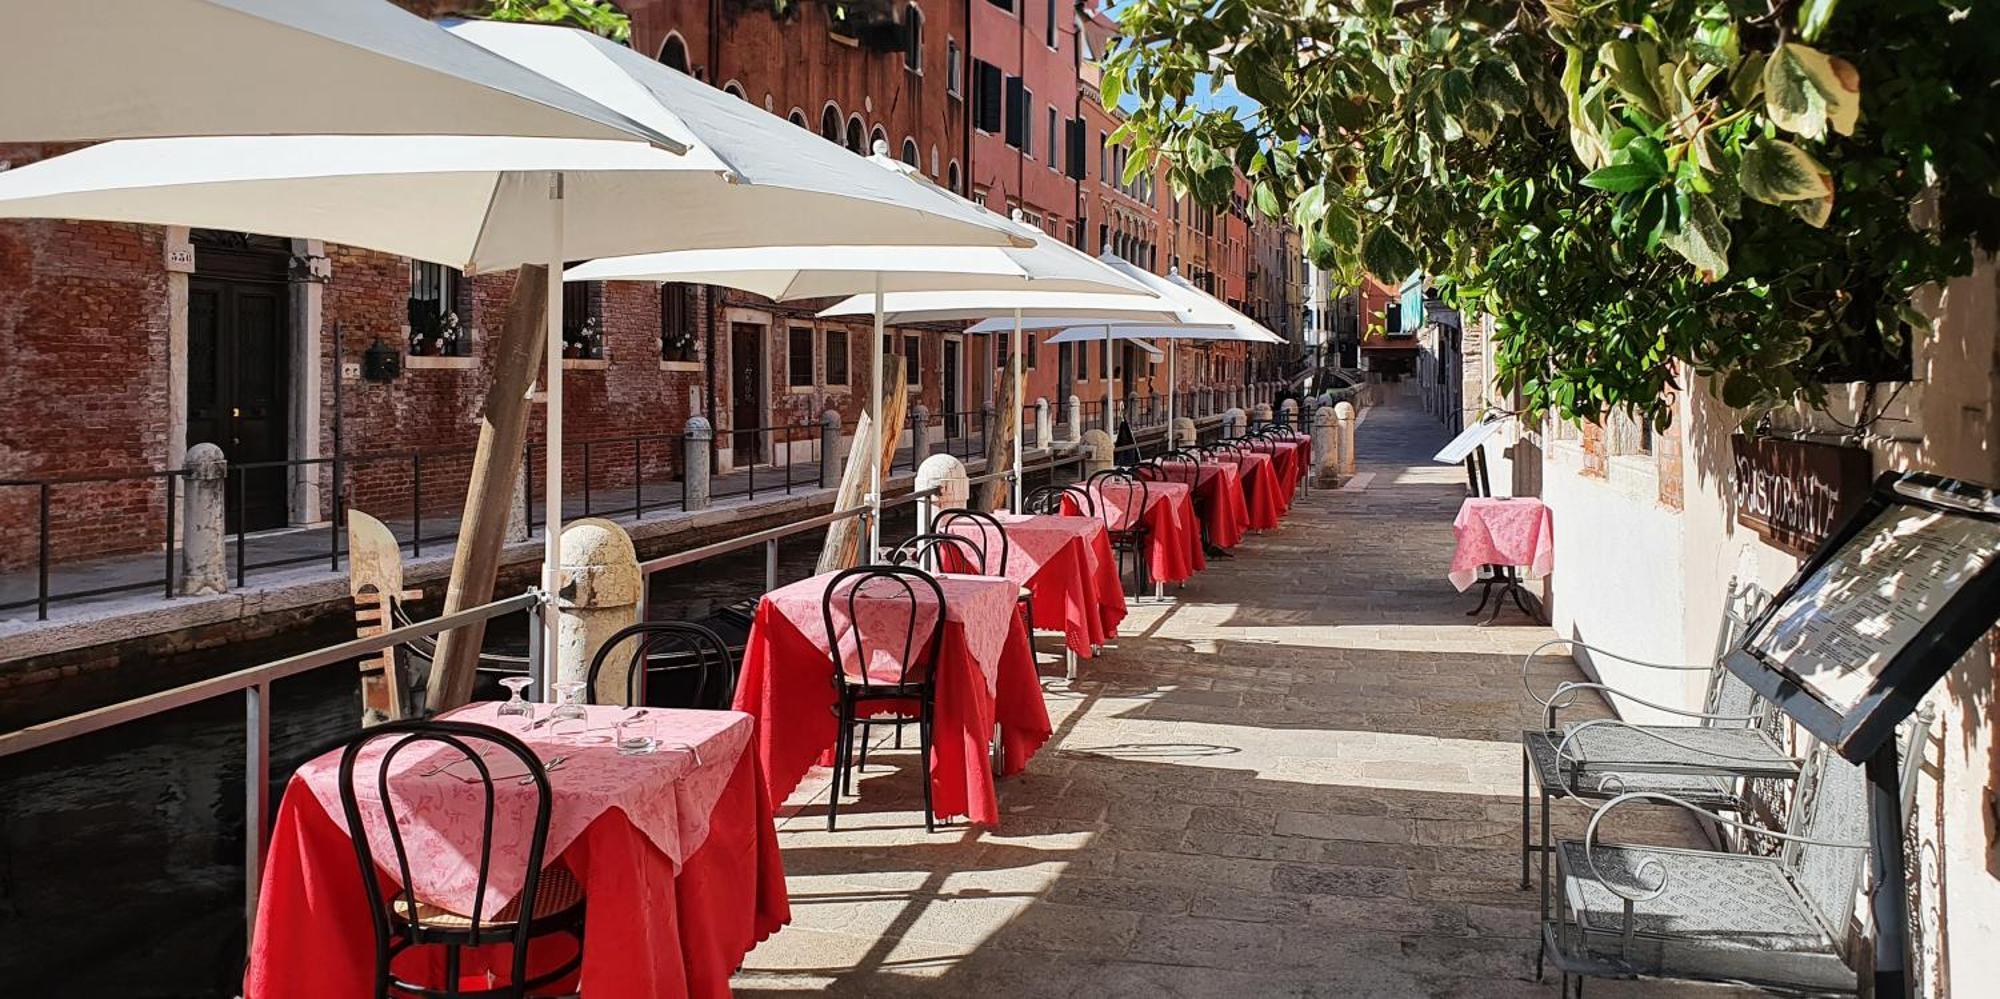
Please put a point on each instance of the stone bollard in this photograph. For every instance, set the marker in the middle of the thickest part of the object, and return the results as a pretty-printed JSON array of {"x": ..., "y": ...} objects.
[
  {"x": 597, "y": 592},
  {"x": 920, "y": 433},
  {"x": 1232, "y": 422},
  {"x": 829, "y": 450},
  {"x": 1099, "y": 450},
  {"x": 694, "y": 465},
  {"x": 1130, "y": 413},
  {"x": 204, "y": 566},
  {"x": 946, "y": 474},
  {"x": 1325, "y": 447},
  {"x": 989, "y": 416},
  {"x": 1184, "y": 435},
  {"x": 1288, "y": 414},
  {"x": 1044, "y": 433},
  {"x": 1262, "y": 414},
  {"x": 1075, "y": 418},
  {"x": 1344, "y": 412}
]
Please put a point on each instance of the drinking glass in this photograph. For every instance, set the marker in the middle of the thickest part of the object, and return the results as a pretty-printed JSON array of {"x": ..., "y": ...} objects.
[
  {"x": 635, "y": 743},
  {"x": 569, "y": 704},
  {"x": 516, "y": 705}
]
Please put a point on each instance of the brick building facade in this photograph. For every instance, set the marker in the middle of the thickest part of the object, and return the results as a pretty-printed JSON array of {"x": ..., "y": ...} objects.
[{"x": 126, "y": 344}]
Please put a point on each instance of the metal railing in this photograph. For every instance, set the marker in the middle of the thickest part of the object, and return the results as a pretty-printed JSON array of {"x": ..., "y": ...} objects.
[{"x": 254, "y": 684}]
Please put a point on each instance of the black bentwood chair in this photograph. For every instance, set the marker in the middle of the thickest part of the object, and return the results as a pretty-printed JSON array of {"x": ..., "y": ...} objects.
[
  {"x": 910, "y": 675},
  {"x": 1123, "y": 506},
  {"x": 990, "y": 530},
  {"x": 669, "y": 664},
  {"x": 1048, "y": 501},
  {"x": 551, "y": 901},
  {"x": 939, "y": 552}
]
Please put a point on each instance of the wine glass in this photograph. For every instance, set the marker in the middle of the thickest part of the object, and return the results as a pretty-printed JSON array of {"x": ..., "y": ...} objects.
[
  {"x": 569, "y": 704},
  {"x": 516, "y": 705}
]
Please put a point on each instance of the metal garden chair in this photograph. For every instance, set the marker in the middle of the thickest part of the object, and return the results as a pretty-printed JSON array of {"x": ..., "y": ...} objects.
[
  {"x": 1778, "y": 920},
  {"x": 671, "y": 664}
]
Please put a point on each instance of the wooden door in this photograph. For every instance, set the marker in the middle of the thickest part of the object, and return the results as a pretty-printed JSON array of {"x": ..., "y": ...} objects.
[
  {"x": 239, "y": 376},
  {"x": 746, "y": 391}
]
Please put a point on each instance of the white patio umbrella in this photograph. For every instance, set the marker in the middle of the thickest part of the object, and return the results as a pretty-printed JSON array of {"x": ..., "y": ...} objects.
[
  {"x": 483, "y": 203},
  {"x": 128, "y": 69},
  {"x": 1209, "y": 318},
  {"x": 1049, "y": 266}
]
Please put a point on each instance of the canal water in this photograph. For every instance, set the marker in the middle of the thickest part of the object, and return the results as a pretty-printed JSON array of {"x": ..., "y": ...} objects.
[{"x": 121, "y": 852}]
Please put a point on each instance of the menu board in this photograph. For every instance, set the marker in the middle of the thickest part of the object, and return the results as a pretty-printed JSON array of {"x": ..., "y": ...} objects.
[{"x": 1840, "y": 627}]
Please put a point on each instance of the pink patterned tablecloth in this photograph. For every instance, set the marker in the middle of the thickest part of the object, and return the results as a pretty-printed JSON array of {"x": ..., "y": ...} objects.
[
  {"x": 668, "y": 795},
  {"x": 982, "y": 604},
  {"x": 1496, "y": 531}
]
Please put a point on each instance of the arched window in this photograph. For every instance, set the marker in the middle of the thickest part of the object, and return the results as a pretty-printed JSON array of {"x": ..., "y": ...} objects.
[
  {"x": 674, "y": 53},
  {"x": 952, "y": 179},
  {"x": 857, "y": 136},
  {"x": 797, "y": 117},
  {"x": 910, "y": 153},
  {"x": 878, "y": 139},
  {"x": 913, "y": 39},
  {"x": 734, "y": 89},
  {"x": 829, "y": 122}
]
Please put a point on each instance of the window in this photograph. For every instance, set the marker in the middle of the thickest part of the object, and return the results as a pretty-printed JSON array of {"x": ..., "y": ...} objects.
[
  {"x": 1074, "y": 155},
  {"x": 987, "y": 96},
  {"x": 1006, "y": 5},
  {"x": 912, "y": 359},
  {"x": 856, "y": 140},
  {"x": 583, "y": 335},
  {"x": 910, "y": 154},
  {"x": 1055, "y": 149},
  {"x": 797, "y": 117},
  {"x": 1029, "y": 360},
  {"x": 1103, "y": 159},
  {"x": 680, "y": 319},
  {"x": 1017, "y": 112},
  {"x": 913, "y": 39},
  {"x": 1082, "y": 364},
  {"x": 1050, "y": 29},
  {"x": 799, "y": 366},
  {"x": 952, "y": 175},
  {"x": 836, "y": 357},
  {"x": 734, "y": 89},
  {"x": 954, "y": 74},
  {"x": 674, "y": 54},
  {"x": 829, "y": 123},
  {"x": 878, "y": 139},
  {"x": 435, "y": 326},
  {"x": 1027, "y": 111},
  {"x": 1001, "y": 358}
]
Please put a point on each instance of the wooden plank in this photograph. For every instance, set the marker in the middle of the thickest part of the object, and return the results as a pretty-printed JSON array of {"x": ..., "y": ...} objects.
[
  {"x": 845, "y": 540},
  {"x": 996, "y": 494}
]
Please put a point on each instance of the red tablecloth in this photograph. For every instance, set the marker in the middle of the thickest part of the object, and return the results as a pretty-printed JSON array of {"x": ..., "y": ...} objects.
[
  {"x": 1066, "y": 564},
  {"x": 1289, "y": 457},
  {"x": 1263, "y": 495},
  {"x": 650, "y": 929},
  {"x": 1218, "y": 499},
  {"x": 1173, "y": 547},
  {"x": 787, "y": 683},
  {"x": 1497, "y": 531}
]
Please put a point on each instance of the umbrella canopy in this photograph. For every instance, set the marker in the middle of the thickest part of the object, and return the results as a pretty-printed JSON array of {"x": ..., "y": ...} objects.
[
  {"x": 1075, "y": 330},
  {"x": 950, "y": 306},
  {"x": 112, "y": 69}
]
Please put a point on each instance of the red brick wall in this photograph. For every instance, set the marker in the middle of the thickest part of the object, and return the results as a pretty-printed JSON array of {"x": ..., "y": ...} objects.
[{"x": 83, "y": 370}]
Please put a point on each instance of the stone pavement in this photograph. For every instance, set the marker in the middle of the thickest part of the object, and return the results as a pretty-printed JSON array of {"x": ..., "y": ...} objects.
[{"x": 1300, "y": 777}]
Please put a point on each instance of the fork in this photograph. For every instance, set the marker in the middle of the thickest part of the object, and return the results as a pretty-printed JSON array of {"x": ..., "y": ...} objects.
[{"x": 548, "y": 768}]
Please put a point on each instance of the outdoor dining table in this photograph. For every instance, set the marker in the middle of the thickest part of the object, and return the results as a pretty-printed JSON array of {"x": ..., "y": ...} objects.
[
  {"x": 1218, "y": 498},
  {"x": 676, "y": 852},
  {"x": 1289, "y": 457},
  {"x": 1173, "y": 545},
  {"x": 986, "y": 677},
  {"x": 1503, "y": 532},
  {"x": 1263, "y": 496},
  {"x": 1067, "y": 565}
]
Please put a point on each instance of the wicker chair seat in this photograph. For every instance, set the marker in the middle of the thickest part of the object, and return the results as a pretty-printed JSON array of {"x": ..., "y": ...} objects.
[
  {"x": 1739, "y": 752},
  {"x": 558, "y": 894},
  {"x": 1711, "y": 791},
  {"x": 1723, "y": 917}
]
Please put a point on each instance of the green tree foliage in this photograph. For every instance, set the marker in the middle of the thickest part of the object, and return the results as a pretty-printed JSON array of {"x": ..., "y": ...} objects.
[
  {"x": 598, "y": 16},
  {"x": 1750, "y": 188}
]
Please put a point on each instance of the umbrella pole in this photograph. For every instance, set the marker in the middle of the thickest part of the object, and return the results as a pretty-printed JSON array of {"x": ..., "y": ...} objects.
[
  {"x": 1020, "y": 348},
  {"x": 1110, "y": 422},
  {"x": 552, "y": 511},
  {"x": 1172, "y": 386},
  {"x": 881, "y": 434}
]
